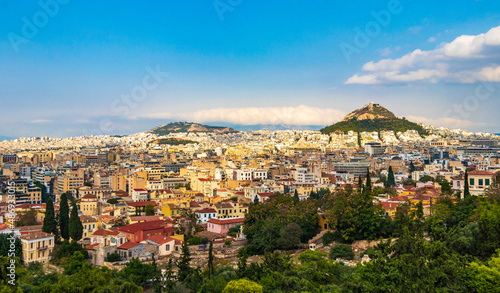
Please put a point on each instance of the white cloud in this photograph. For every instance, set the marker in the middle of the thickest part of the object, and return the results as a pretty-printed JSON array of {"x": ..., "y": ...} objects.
[
  {"x": 300, "y": 115},
  {"x": 467, "y": 59},
  {"x": 447, "y": 122},
  {"x": 41, "y": 121},
  {"x": 431, "y": 39}
]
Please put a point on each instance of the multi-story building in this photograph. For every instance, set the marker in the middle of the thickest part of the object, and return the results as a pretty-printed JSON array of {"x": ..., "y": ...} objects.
[
  {"x": 37, "y": 247},
  {"x": 69, "y": 183}
]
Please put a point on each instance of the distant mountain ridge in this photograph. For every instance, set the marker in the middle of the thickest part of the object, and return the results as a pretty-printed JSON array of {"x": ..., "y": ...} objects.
[
  {"x": 2, "y": 138},
  {"x": 190, "y": 127},
  {"x": 373, "y": 117}
]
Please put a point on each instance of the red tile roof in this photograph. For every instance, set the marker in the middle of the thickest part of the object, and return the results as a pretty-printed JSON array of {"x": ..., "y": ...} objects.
[
  {"x": 161, "y": 239},
  {"x": 482, "y": 173},
  {"x": 104, "y": 232},
  {"x": 227, "y": 221},
  {"x": 128, "y": 245},
  {"x": 36, "y": 235},
  {"x": 140, "y": 203},
  {"x": 206, "y": 211},
  {"x": 150, "y": 225}
]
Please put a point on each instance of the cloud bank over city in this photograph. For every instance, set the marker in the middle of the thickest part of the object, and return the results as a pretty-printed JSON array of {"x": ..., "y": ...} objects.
[
  {"x": 467, "y": 59},
  {"x": 300, "y": 115}
]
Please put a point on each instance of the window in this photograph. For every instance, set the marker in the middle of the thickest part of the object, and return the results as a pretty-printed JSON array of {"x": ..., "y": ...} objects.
[
  {"x": 481, "y": 182},
  {"x": 471, "y": 181},
  {"x": 167, "y": 247}
]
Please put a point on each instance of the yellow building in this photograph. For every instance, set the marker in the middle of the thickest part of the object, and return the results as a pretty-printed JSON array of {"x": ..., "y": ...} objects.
[
  {"x": 227, "y": 210},
  {"x": 90, "y": 225},
  {"x": 37, "y": 246},
  {"x": 69, "y": 183},
  {"x": 171, "y": 210},
  {"x": 479, "y": 181},
  {"x": 89, "y": 205}
]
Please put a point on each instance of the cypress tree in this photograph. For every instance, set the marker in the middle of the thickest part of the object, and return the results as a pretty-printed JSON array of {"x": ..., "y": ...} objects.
[
  {"x": 49, "y": 221},
  {"x": 296, "y": 196},
  {"x": 360, "y": 184},
  {"x": 368, "y": 186},
  {"x": 390, "y": 178},
  {"x": 412, "y": 167},
  {"x": 210, "y": 260},
  {"x": 64, "y": 217},
  {"x": 75, "y": 224},
  {"x": 183, "y": 264},
  {"x": 466, "y": 186}
]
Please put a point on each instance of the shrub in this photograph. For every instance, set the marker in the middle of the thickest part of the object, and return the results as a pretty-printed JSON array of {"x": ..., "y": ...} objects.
[
  {"x": 328, "y": 238},
  {"x": 343, "y": 251},
  {"x": 227, "y": 243},
  {"x": 113, "y": 257}
]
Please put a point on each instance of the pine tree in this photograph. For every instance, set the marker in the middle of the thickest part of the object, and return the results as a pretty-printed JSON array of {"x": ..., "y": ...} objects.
[
  {"x": 210, "y": 260},
  {"x": 64, "y": 217},
  {"x": 183, "y": 264},
  {"x": 75, "y": 224},
  {"x": 296, "y": 196},
  {"x": 466, "y": 186},
  {"x": 49, "y": 221}
]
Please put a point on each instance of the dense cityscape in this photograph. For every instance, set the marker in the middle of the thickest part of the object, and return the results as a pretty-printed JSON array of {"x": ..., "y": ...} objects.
[
  {"x": 233, "y": 146},
  {"x": 202, "y": 209}
]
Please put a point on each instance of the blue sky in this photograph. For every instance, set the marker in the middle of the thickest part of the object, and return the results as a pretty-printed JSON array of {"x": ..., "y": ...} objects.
[{"x": 82, "y": 68}]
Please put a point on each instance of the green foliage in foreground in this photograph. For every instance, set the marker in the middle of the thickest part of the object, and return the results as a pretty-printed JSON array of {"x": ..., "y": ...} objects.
[{"x": 456, "y": 249}]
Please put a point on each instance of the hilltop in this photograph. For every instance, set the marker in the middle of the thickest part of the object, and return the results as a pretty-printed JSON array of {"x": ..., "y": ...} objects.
[
  {"x": 373, "y": 117},
  {"x": 176, "y": 127}
]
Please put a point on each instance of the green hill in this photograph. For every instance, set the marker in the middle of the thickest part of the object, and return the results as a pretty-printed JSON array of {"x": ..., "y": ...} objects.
[
  {"x": 373, "y": 117},
  {"x": 176, "y": 127}
]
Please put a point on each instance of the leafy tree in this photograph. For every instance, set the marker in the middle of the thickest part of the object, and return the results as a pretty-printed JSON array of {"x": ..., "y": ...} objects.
[
  {"x": 485, "y": 277},
  {"x": 138, "y": 272},
  {"x": 75, "y": 224},
  {"x": 290, "y": 236},
  {"x": 64, "y": 217},
  {"x": 5, "y": 246},
  {"x": 242, "y": 262},
  {"x": 183, "y": 263},
  {"x": 343, "y": 251},
  {"x": 45, "y": 195},
  {"x": 328, "y": 238},
  {"x": 49, "y": 221},
  {"x": 27, "y": 218},
  {"x": 446, "y": 188},
  {"x": 243, "y": 286},
  {"x": 355, "y": 217},
  {"x": 150, "y": 210},
  {"x": 426, "y": 178},
  {"x": 113, "y": 257},
  {"x": 112, "y": 201},
  {"x": 63, "y": 252}
]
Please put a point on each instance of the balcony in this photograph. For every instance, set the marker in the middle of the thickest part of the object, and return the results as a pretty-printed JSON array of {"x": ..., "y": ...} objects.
[{"x": 42, "y": 247}]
